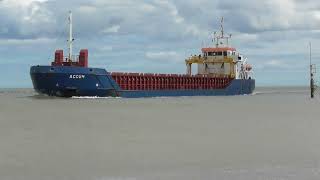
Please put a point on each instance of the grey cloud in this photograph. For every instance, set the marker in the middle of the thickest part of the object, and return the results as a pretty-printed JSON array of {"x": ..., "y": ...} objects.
[
  {"x": 262, "y": 29},
  {"x": 157, "y": 19},
  {"x": 25, "y": 21}
]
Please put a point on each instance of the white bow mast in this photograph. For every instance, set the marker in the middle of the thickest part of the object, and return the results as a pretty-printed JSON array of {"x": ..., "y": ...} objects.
[{"x": 70, "y": 41}]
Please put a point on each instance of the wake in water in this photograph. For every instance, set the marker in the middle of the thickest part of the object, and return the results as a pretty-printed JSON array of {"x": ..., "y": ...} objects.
[
  {"x": 280, "y": 92},
  {"x": 260, "y": 91},
  {"x": 94, "y": 97}
]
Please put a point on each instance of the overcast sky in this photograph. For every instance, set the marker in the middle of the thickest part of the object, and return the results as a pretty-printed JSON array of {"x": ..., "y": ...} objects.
[{"x": 157, "y": 35}]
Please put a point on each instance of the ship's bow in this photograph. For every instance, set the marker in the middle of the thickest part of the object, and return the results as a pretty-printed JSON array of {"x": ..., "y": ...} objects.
[{"x": 71, "y": 81}]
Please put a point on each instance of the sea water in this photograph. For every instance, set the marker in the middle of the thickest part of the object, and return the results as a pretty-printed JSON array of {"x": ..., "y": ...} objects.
[{"x": 273, "y": 134}]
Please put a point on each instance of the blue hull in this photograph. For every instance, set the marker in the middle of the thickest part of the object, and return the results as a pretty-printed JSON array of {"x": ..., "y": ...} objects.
[{"x": 67, "y": 81}]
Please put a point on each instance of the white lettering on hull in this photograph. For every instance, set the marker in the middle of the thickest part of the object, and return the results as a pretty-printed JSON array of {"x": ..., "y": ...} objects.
[{"x": 76, "y": 76}]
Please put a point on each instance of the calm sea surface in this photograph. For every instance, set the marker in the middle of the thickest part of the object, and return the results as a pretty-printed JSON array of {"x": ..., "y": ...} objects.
[{"x": 271, "y": 135}]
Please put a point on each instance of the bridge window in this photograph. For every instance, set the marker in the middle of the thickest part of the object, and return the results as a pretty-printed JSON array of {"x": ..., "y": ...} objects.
[
  {"x": 225, "y": 53},
  {"x": 212, "y": 54}
]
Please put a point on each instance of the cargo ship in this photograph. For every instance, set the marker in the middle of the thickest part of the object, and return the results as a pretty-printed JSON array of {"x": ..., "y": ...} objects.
[{"x": 221, "y": 71}]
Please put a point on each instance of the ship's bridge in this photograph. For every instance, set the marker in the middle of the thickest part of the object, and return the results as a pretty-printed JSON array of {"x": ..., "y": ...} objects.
[
  {"x": 218, "y": 61},
  {"x": 214, "y": 52}
]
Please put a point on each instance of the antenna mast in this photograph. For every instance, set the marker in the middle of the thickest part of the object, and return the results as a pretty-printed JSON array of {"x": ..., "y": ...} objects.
[
  {"x": 222, "y": 29},
  {"x": 70, "y": 41},
  {"x": 215, "y": 39},
  {"x": 221, "y": 39}
]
